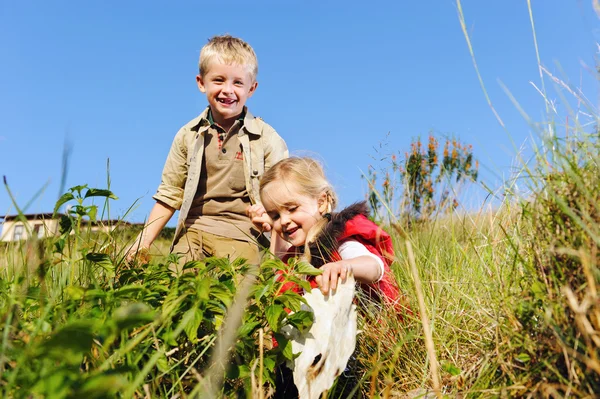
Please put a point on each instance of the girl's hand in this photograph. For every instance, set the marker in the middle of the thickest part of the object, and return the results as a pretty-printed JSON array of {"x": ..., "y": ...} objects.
[
  {"x": 331, "y": 271},
  {"x": 259, "y": 217}
]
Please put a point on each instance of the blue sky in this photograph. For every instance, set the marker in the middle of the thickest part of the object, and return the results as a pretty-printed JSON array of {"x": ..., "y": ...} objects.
[{"x": 347, "y": 82}]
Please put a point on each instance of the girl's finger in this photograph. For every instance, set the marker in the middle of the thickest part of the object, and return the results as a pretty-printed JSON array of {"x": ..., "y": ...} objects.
[
  {"x": 334, "y": 278},
  {"x": 325, "y": 286}
]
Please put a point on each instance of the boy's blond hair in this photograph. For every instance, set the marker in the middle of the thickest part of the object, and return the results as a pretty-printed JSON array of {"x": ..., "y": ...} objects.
[{"x": 228, "y": 50}]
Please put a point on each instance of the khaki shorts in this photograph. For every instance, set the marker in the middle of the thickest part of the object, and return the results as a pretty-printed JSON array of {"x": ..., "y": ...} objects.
[{"x": 194, "y": 244}]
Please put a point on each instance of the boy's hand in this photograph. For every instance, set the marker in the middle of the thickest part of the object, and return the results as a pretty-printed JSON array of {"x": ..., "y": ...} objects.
[
  {"x": 331, "y": 271},
  {"x": 259, "y": 217},
  {"x": 137, "y": 252}
]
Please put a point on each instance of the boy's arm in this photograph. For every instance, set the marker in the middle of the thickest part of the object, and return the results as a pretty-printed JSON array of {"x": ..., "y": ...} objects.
[
  {"x": 174, "y": 174},
  {"x": 159, "y": 216},
  {"x": 275, "y": 148}
]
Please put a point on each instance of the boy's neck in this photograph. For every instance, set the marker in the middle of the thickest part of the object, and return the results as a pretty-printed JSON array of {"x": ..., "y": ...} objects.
[{"x": 227, "y": 123}]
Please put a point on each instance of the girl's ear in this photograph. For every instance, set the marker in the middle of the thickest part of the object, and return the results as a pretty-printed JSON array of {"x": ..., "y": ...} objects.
[{"x": 323, "y": 201}]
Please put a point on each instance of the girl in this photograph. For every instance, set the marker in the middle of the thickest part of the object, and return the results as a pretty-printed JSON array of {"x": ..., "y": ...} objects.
[{"x": 297, "y": 203}]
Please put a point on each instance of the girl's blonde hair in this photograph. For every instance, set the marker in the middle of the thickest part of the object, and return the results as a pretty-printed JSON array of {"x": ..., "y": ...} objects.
[{"x": 310, "y": 180}]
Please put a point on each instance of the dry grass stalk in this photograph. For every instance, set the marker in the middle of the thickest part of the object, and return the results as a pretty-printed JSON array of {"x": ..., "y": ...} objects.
[
  {"x": 261, "y": 359},
  {"x": 227, "y": 336},
  {"x": 433, "y": 364}
]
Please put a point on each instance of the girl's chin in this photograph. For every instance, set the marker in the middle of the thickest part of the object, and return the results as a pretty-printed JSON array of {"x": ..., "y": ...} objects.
[{"x": 295, "y": 241}]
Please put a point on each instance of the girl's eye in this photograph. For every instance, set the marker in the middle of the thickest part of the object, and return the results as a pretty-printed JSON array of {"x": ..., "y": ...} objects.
[
  {"x": 274, "y": 217},
  {"x": 292, "y": 208}
]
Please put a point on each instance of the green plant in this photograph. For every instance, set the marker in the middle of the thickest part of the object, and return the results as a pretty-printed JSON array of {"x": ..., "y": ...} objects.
[
  {"x": 425, "y": 182},
  {"x": 132, "y": 330},
  {"x": 555, "y": 345}
]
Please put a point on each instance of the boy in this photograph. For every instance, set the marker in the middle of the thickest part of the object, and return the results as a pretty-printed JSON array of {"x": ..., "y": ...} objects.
[{"x": 216, "y": 160}]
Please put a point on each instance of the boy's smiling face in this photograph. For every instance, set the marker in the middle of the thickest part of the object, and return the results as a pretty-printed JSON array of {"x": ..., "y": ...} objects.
[{"x": 227, "y": 87}]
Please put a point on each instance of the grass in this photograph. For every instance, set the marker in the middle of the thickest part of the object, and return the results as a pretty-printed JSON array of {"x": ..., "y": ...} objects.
[{"x": 510, "y": 295}]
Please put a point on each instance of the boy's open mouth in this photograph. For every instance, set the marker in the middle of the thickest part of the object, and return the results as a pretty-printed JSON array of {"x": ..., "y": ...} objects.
[{"x": 226, "y": 101}]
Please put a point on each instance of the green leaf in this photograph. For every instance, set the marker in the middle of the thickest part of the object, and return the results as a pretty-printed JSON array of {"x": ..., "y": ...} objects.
[
  {"x": 276, "y": 264},
  {"x": 66, "y": 197},
  {"x": 92, "y": 211},
  {"x": 260, "y": 292},
  {"x": 451, "y": 368},
  {"x": 303, "y": 283},
  {"x": 523, "y": 358},
  {"x": 59, "y": 245},
  {"x": 284, "y": 346},
  {"x": 133, "y": 315},
  {"x": 104, "y": 385},
  {"x": 66, "y": 224},
  {"x": 55, "y": 385},
  {"x": 302, "y": 320},
  {"x": 70, "y": 343},
  {"x": 191, "y": 328},
  {"x": 241, "y": 371},
  {"x": 163, "y": 364},
  {"x": 78, "y": 188},
  {"x": 290, "y": 300},
  {"x": 129, "y": 291},
  {"x": 307, "y": 269},
  {"x": 96, "y": 192},
  {"x": 194, "y": 267},
  {"x": 203, "y": 289},
  {"x": 269, "y": 363},
  {"x": 74, "y": 292},
  {"x": 247, "y": 328},
  {"x": 274, "y": 315},
  {"x": 187, "y": 320},
  {"x": 220, "y": 292},
  {"x": 102, "y": 260},
  {"x": 95, "y": 294}
]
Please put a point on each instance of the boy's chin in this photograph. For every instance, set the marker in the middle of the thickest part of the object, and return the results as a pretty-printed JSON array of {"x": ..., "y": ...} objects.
[{"x": 227, "y": 114}]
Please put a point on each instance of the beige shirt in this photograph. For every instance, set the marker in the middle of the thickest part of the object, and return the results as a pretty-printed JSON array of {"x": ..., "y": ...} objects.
[
  {"x": 260, "y": 145},
  {"x": 222, "y": 198}
]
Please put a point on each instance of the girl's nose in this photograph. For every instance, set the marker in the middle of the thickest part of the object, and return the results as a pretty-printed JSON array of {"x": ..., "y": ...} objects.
[{"x": 285, "y": 219}]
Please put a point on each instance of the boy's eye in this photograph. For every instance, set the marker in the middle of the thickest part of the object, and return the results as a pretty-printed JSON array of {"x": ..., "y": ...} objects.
[{"x": 239, "y": 83}]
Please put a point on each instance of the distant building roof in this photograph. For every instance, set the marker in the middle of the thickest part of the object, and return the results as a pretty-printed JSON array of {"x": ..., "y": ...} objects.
[
  {"x": 32, "y": 216},
  {"x": 44, "y": 216}
]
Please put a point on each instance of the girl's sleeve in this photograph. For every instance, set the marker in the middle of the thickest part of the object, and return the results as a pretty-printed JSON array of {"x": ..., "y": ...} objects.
[{"x": 353, "y": 249}]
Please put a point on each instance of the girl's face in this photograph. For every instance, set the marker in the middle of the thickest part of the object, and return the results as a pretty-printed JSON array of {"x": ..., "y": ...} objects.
[{"x": 293, "y": 214}]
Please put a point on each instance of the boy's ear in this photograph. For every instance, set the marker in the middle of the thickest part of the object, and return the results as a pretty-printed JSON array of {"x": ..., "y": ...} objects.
[
  {"x": 252, "y": 88},
  {"x": 200, "y": 83}
]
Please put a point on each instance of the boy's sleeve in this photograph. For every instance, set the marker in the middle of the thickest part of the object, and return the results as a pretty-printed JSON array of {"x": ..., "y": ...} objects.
[
  {"x": 275, "y": 149},
  {"x": 174, "y": 175}
]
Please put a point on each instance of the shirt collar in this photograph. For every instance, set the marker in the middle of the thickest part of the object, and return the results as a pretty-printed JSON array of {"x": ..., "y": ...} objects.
[{"x": 247, "y": 119}]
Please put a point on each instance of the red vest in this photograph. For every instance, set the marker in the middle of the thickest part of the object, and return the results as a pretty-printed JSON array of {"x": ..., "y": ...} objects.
[{"x": 379, "y": 243}]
